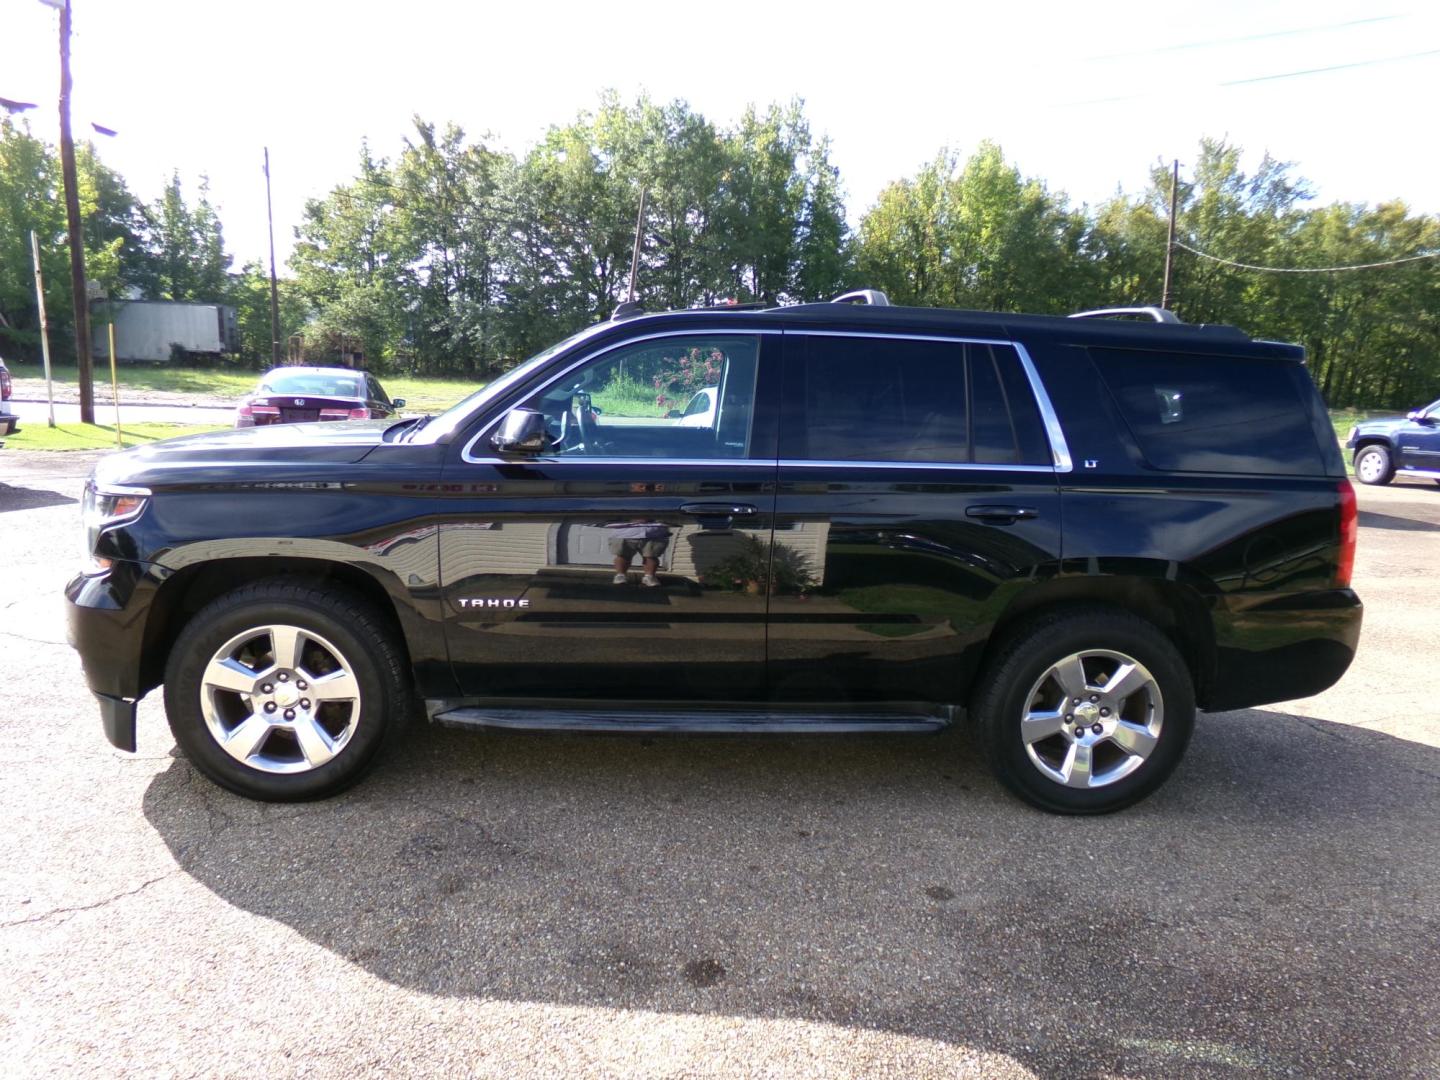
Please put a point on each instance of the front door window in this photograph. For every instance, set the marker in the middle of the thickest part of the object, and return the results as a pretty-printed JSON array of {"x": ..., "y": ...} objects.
[{"x": 680, "y": 398}]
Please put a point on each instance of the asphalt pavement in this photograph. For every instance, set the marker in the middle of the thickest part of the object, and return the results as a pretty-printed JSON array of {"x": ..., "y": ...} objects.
[{"x": 513, "y": 905}]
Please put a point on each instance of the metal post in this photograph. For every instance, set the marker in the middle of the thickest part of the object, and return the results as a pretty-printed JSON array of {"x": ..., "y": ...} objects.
[
  {"x": 115, "y": 383},
  {"x": 84, "y": 371},
  {"x": 635, "y": 255},
  {"x": 1170, "y": 242},
  {"x": 44, "y": 325},
  {"x": 274, "y": 287}
]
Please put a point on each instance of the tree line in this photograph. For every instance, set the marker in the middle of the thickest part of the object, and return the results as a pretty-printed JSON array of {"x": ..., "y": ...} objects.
[{"x": 451, "y": 255}]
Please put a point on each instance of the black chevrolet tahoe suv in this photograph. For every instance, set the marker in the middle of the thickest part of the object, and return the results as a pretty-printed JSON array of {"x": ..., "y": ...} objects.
[{"x": 1070, "y": 532}]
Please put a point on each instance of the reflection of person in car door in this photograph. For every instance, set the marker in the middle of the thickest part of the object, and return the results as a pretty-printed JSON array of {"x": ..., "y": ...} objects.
[{"x": 648, "y": 539}]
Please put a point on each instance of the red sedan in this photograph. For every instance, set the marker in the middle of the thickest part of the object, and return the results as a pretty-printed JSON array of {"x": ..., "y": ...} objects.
[{"x": 297, "y": 395}]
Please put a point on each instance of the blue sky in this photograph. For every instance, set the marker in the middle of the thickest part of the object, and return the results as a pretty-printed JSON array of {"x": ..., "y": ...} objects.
[{"x": 1086, "y": 96}]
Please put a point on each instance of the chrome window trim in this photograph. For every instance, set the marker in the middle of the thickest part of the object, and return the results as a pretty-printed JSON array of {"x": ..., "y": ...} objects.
[
  {"x": 964, "y": 466},
  {"x": 1059, "y": 448},
  {"x": 766, "y": 463},
  {"x": 466, "y": 456}
]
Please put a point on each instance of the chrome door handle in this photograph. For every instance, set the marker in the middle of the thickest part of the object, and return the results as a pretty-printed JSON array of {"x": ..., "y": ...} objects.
[
  {"x": 1001, "y": 515},
  {"x": 715, "y": 510}
]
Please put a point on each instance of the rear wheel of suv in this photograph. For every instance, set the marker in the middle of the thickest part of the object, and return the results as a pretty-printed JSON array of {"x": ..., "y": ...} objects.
[
  {"x": 1085, "y": 710},
  {"x": 282, "y": 691},
  {"x": 1373, "y": 465}
]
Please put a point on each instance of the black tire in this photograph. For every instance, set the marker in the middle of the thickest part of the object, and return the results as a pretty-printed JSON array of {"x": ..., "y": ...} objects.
[
  {"x": 1011, "y": 684},
  {"x": 344, "y": 625},
  {"x": 1380, "y": 467}
]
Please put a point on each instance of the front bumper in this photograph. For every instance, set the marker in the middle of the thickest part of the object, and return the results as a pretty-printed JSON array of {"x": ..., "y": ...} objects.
[{"x": 105, "y": 615}]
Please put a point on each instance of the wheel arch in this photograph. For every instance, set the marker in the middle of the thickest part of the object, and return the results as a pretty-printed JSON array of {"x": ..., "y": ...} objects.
[
  {"x": 185, "y": 592},
  {"x": 1372, "y": 440},
  {"x": 1179, "y": 611}
]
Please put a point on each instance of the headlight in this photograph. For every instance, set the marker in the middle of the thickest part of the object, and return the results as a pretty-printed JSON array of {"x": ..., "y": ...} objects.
[{"x": 103, "y": 507}]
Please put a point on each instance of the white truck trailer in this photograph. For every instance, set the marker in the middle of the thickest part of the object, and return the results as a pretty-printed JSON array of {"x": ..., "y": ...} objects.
[{"x": 152, "y": 330}]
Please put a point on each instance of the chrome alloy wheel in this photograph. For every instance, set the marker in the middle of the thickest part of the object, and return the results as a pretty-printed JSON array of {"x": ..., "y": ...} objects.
[
  {"x": 280, "y": 699},
  {"x": 1093, "y": 718}
]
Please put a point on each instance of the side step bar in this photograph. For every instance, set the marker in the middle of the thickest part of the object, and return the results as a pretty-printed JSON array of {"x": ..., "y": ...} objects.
[{"x": 696, "y": 721}]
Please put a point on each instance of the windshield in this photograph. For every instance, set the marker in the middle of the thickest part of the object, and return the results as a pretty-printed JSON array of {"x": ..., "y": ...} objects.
[
  {"x": 455, "y": 417},
  {"x": 313, "y": 384}
]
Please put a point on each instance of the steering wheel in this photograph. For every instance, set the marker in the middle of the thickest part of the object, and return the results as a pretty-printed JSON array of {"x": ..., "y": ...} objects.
[{"x": 585, "y": 421}]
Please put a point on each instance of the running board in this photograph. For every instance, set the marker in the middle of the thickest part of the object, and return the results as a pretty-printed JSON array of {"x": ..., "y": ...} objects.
[{"x": 698, "y": 721}]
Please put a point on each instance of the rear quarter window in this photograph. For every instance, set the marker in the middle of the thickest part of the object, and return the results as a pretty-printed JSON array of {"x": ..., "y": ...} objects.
[{"x": 1201, "y": 413}]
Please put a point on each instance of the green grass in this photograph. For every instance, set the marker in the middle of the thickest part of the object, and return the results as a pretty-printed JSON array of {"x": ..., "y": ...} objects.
[
  {"x": 429, "y": 395},
  {"x": 36, "y": 436},
  {"x": 1345, "y": 419},
  {"x": 630, "y": 397},
  {"x": 420, "y": 394}
]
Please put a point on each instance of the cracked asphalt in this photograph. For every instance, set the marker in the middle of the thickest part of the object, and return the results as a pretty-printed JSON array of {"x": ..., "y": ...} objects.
[{"x": 516, "y": 905}]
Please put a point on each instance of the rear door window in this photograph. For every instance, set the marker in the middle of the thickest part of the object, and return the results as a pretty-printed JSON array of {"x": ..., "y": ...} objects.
[
  {"x": 896, "y": 399},
  {"x": 1198, "y": 413}
]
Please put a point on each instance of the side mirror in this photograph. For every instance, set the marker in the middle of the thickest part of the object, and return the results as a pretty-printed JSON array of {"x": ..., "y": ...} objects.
[
  {"x": 674, "y": 414},
  {"x": 398, "y": 402},
  {"x": 522, "y": 431},
  {"x": 1413, "y": 414}
]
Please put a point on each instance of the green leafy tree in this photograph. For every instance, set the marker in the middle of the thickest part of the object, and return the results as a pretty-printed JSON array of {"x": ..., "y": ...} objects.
[
  {"x": 350, "y": 266},
  {"x": 977, "y": 236},
  {"x": 29, "y": 177},
  {"x": 249, "y": 293},
  {"x": 186, "y": 246}
]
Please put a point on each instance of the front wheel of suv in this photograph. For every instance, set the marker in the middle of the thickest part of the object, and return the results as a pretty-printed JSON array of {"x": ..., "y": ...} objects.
[
  {"x": 283, "y": 691},
  {"x": 1373, "y": 465},
  {"x": 1085, "y": 710}
]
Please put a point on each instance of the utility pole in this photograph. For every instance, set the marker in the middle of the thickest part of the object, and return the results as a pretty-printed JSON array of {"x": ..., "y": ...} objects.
[
  {"x": 635, "y": 254},
  {"x": 274, "y": 288},
  {"x": 72, "y": 220},
  {"x": 1170, "y": 242},
  {"x": 44, "y": 325}
]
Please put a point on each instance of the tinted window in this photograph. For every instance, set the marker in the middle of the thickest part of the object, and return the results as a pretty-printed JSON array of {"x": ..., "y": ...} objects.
[
  {"x": 994, "y": 433},
  {"x": 628, "y": 402},
  {"x": 1030, "y": 435},
  {"x": 1213, "y": 413},
  {"x": 886, "y": 399}
]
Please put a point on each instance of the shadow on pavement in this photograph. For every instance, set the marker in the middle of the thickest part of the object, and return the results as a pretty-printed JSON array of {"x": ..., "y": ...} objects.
[
  {"x": 20, "y": 498},
  {"x": 1371, "y": 520},
  {"x": 1273, "y": 908}
]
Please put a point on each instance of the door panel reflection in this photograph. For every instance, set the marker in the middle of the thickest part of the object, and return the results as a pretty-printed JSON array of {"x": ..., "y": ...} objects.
[{"x": 574, "y": 588}]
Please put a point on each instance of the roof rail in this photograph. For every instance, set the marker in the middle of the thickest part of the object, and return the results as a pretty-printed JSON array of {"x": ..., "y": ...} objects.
[
  {"x": 872, "y": 297},
  {"x": 1159, "y": 314}
]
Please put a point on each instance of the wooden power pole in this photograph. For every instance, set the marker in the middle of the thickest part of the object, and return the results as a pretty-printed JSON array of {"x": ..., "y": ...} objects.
[
  {"x": 1170, "y": 242},
  {"x": 274, "y": 288},
  {"x": 72, "y": 220}
]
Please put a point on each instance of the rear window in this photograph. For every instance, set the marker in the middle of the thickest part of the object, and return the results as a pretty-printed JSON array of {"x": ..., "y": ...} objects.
[
  {"x": 313, "y": 384},
  {"x": 1229, "y": 414}
]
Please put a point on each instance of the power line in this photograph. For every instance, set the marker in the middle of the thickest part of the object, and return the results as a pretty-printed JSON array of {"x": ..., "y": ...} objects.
[
  {"x": 1332, "y": 67},
  {"x": 1263, "y": 78},
  {"x": 1305, "y": 269},
  {"x": 1241, "y": 39}
]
